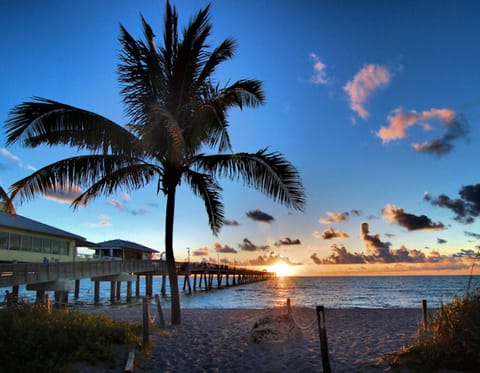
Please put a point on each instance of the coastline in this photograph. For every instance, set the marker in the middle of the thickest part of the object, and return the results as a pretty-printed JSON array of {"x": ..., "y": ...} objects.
[{"x": 219, "y": 340}]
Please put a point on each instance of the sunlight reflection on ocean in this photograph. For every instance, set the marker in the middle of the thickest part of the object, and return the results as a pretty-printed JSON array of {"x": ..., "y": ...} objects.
[
  {"x": 331, "y": 292},
  {"x": 337, "y": 292}
]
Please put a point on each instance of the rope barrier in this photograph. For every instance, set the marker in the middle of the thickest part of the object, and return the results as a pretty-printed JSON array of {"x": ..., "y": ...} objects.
[
  {"x": 150, "y": 318},
  {"x": 256, "y": 316},
  {"x": 305, "y": 327}
]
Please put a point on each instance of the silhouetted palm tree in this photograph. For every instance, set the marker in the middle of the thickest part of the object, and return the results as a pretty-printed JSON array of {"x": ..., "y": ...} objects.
[
  {"x": 6, "y": 202},
  {"x": 177, "y": 114}
]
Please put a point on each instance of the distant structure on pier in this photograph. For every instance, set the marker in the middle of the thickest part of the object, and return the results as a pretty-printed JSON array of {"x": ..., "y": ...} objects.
[{"x": 122, "y": 250}]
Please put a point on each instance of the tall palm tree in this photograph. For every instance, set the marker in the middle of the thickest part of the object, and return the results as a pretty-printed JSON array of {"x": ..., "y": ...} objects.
[{"x": 177, "y": 114}]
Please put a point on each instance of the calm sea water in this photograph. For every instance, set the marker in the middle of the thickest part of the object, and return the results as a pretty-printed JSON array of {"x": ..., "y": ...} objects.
[{"x": 331, "y": 292}]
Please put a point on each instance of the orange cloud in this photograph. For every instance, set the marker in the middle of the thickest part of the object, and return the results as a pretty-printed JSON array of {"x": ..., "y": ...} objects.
[
  {"x": 65, "y": 194},
  {"x": 334, "y": 217},
  {"x": 329, "y": 234},
  {"x": 202, "y": 251},
  {"x": 400, "y": 121},
  {"x": 225, "y": 249},
  {"x": 368, "y": 79}
]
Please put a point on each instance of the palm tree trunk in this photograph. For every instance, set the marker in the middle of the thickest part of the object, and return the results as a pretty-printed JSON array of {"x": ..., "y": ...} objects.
[{"x": 171, "y": 267}]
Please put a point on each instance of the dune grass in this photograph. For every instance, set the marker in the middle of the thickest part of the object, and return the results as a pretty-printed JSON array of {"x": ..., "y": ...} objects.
[
  {"x": 451, "y": 341},
  {"x": 32, "y": 339}
]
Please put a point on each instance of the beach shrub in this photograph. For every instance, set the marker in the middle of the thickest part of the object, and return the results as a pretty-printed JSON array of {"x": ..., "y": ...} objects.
[
  {"x": 452, "y": 339},
  {"x": 32, "y": 339}
]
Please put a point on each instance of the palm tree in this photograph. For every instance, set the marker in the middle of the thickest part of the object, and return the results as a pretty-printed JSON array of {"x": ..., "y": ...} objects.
[
  {"x": 177, "y": 114},
  {"x": 6, "y": 202}
]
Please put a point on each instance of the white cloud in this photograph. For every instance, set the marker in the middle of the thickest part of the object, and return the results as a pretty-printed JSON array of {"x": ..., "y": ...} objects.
[
  {"x": 320, "y": 75},
  {"x": 116, "y": 203},
  {"x": 102, "y": 223},
  {"x": 16, "y": 159},
  {"x": 9, "y": 155}
]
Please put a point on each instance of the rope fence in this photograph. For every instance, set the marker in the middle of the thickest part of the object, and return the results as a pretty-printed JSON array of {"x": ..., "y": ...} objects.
[{"x": 297, "y": 323}]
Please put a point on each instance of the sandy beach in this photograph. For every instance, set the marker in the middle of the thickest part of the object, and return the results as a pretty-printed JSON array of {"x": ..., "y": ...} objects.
[{"x": 220, "y": 340}]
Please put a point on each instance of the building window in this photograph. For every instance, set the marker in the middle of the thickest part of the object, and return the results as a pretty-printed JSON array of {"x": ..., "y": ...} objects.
[
  {"x": 64, "y": 247},
  {"x": 55, "y": 247},
  {"x": 37, "y": 244},
  {"x": 15, "y": 241},
  {"x": 46, "y": 246},
  {"x": 27, "y": 243},
  {"x": 4, "y": 240}
]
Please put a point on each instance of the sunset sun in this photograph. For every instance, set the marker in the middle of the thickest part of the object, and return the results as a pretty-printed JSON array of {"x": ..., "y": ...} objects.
[{"x": 282, "y": 269}]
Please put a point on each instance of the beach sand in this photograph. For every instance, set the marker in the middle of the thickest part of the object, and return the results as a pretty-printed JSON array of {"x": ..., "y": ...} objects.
[{"x": 219, "y": 340}]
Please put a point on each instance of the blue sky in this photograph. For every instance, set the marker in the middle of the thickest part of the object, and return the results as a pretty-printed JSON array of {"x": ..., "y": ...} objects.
[{"x": 375, "y": 102}]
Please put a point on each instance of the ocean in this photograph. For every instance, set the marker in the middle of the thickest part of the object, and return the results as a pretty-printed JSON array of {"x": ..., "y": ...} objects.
[{"x": 330, "y": 292}]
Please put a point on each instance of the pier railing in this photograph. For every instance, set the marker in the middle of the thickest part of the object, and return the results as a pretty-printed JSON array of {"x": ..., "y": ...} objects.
[
  {"x": 30, "y": 273},
  {"x": 12, "y": 274}
]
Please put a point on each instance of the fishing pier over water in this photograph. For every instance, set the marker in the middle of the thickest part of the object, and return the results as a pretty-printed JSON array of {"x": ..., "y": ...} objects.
[{"x": 58, "y": 276}]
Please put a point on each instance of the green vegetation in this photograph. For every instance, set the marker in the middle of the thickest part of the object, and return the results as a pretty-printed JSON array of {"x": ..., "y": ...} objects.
[
  {"x": 32, "y": 339},
  {"x": 451, "y": 341}
]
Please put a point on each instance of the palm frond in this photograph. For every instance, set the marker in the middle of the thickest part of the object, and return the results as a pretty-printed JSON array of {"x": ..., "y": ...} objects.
[
  {"x": 206, "y": 187},
  {"x": 7, "y": 202},
  {"x": 49, "y": 122},
  {"x": 188, "y": 60},
  {"x": 170, "y": 39},
  {"x": 131, "y": 177},
  {"x": 220, "y": 54},
  {"x": 207, "y": 126},
  {"x": 141, "y": 77},
  {"x": 149, "y": 35},
  {"x": 270, "y": 173},
  {"x": 210, "y": 117},
  {"x": 61, "y": 175},
  {"x": 171, "y": 143},
  {"x": 245, "y": 92}
]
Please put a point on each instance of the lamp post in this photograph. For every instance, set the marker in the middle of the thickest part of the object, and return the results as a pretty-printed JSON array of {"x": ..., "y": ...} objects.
[{"x": 188, "y": 250}]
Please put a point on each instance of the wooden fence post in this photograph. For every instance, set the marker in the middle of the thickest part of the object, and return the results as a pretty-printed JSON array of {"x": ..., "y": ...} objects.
[
  {"x": 424, "y": 314},
  {"x": 48, "y": 304},
  {"x": 323, "y": 338},
  {"x": 146, "y": 321},
  {"x": 161, "y": 320}
]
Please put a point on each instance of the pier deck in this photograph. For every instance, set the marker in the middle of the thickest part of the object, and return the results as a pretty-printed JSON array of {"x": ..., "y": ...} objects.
[{"x": 55, "y": 276}]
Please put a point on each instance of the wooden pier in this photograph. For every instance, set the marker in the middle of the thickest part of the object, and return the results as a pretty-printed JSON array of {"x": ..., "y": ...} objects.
[
  {"x": 209, "y": 275},
  {"x": 57, "y": 277}
]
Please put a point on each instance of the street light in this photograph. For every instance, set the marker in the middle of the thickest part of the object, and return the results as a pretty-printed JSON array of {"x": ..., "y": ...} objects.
[{"x": 188, "y": 249}]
